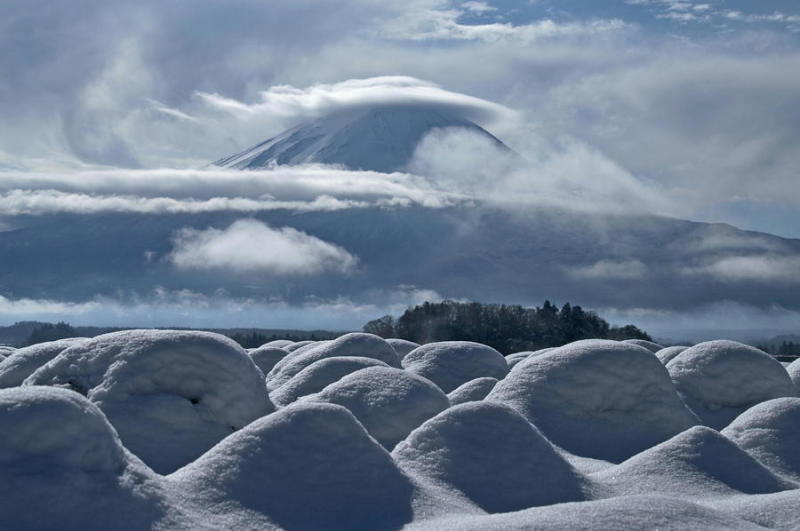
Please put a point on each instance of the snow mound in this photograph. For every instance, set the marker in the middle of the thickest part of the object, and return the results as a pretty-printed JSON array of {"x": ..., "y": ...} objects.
[
  {"x": 389, "y": 402},
  {"x": 46, "y": 429},
  {"x": 516, "y": 361},
  {"x": 698, "y": 462},
  {"x": 171, "y": 395},
  {"x": 793, "y": 369},
  {"x": 665, "y": 355},
  {"x": 770, "y": 432},
  {"x": 265, "y": 357},
  {"x": 319, "y": 375},
  {"x": 720, "y": 379},
  {"x": 450, "y": 364},
  {"x": 278, "y": 343},
  {"x": 472, "y": 391},
  {"x": 513, "y": 359},
  {"x": 307, "y": 466},
  {"x": 649, "y": 345},
  {"x": 633, "y": 512},
  {"x": 297, "y": 345},
  {"x": 493, "y": 455},
  {"x": 25, "y": 361},
  {"x": 773, "y": 511},
  {"x": 402, "y": 346},
  {"x": 597, "y": 398},
  {"x": 65, "y": 468},
  {"x": 353, "y": 344}
]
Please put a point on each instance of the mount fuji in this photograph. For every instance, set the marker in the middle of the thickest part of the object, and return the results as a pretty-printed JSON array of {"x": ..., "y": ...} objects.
[
  {"x": 474, "y": 250},
  {"x": 379, "y": 138}
]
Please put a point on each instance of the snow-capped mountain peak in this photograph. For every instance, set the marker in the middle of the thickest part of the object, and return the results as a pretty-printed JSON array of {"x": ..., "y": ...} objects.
[{"x": 380, "y": 138}]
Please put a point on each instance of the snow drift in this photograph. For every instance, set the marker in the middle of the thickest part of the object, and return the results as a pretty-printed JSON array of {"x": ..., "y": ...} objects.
[
  {"x": 597, "y": 398},
  {"x": 170, "y": 395},
  {"x": 533, "y": 448},
  {"x": 388, "y": 402},
  {"x": 493, "y": 455},
  {"x": 354, "y": 344},
  {"x": 450, "y": 364},
  {"x": 716, "y": 379},
  {"x": 308, "y": 466}
]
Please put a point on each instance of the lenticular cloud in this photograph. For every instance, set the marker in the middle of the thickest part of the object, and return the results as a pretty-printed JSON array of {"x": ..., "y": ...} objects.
[{"x": 160, "y": 429}]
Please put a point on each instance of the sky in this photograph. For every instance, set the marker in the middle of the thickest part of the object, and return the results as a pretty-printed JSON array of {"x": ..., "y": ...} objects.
[
  {"x": 681, "y": 108},
  {"x": 696, "y": 99}
]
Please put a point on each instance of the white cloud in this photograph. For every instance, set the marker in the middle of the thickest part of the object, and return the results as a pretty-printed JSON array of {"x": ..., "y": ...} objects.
[
  {"x": 251, "y": 246},
  {"x": 719, "y": 320},
  {"x": 770, "y": 268},
  {"x": 441, "y": 23},
  {"x": 610, "y": 270},
  {"x": 25, "y": 307},
  {"x": 322, "y": 98},
  {"x": 563, "y": 172},
  {"x": 164, "y": 308},
  {"x": 298, "y": 188}
]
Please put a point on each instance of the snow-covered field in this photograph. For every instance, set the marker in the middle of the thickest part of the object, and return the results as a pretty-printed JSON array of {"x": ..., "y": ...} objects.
[{"x": 151, "y": 429}]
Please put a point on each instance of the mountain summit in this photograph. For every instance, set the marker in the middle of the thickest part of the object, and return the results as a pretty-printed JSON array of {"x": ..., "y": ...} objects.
[{"x": 381, "y": 138}]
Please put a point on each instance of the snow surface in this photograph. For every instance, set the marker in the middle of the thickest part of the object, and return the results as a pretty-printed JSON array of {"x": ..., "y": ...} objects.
[
  {"x": 493, "y": 455},
  {"x": 665, "y": 355},
  {"x": 699, "y": 462},
  {"x": 402, "y": 346},
  {"x": 278, "y": 343},
  {"x": 450, "y": 364},
  {"x": 770, "y": 432},
  {"x": 794, "y": 373},
  {"x": 388, "y": 402},
  {"x": 308, "y": 466},
  {"x": 25, "y": 361},
  {"x": 265, "y": 357},
  {"x": 515, "y": 359},
  {"x": 297, "y": 345},
  {"x": 319, "y": 375},
  {"x": 629, "y": 513},
  {"x": 354, "y": 344},
  {"x": 717, "y": 379},
  {"x": 597, "y": 398},
  {"x": 571, "y": 438},
  {"x": 380, "y": 138},
  {"x": 473, "y": 390},
  {"x": 171, "y": 395},
  {"x": 649, "y": 345},
  {"x": 64, "y": 467}
]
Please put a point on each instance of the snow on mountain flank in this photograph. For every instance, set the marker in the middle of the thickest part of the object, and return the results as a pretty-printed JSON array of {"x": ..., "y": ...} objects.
[
  {"x": 381, "y": 138},
  {"x": 161, "y": 429}
]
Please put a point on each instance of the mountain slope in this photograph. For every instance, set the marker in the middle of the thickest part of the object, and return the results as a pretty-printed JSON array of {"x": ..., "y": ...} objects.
[{"x": 379, "y": 138}]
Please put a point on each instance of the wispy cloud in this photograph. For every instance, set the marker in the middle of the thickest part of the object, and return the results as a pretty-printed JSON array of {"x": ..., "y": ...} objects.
[
  {"x": 39, "y": 202},
  {"x": 164, "y": 307},
  {"x": 767, "y": 268},
  {"x": 609, "y": 270}
]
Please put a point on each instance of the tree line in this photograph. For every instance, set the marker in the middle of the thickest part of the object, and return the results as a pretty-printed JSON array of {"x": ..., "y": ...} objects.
[{"x": 506, "y": 328}]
